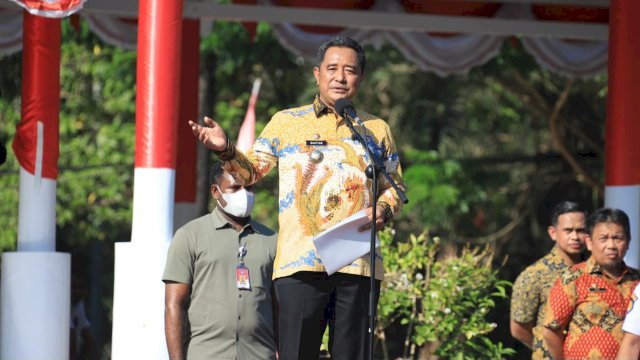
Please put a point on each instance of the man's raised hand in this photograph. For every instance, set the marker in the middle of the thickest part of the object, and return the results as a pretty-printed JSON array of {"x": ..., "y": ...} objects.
[{"x": 211, "y": 135}]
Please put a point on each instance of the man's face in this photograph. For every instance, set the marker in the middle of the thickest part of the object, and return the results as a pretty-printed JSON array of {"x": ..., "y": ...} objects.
[
  {"x": 339, "y": 75},
  {"x": 608, "y": 244},
  {"x": 569, "y": 234},
  {"x": 228, "y": 185}
]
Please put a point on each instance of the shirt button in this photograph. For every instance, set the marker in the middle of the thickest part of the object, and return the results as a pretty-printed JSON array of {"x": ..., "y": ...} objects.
[
  {"x": 239, "y": 295},
  {"x": 238, "y": 317}
]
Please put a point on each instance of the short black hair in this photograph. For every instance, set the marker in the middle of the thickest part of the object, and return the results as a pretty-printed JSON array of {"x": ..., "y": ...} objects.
[
  {"x": 609, "y": 215},
  {"x": 216, "y": 172},
  {"x": 343, "y": 41},
  {"x": 564, "y": 207}
]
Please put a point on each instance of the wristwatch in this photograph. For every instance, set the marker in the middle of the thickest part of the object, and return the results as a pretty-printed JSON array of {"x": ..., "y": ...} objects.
[{"x": 388, "y": 213}]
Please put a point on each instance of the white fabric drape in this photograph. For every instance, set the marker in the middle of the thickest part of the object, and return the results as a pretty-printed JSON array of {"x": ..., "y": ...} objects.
[
  {"x": 51, "y": 8},
  {"x": 114, "y": 30}
]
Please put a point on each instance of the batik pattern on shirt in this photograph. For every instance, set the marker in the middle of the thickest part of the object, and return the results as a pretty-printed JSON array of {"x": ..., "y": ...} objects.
[
  {"x": 592, "y": 307},
  {"x": 321, "y": 179},
  {"x": 530, "y": 294}
]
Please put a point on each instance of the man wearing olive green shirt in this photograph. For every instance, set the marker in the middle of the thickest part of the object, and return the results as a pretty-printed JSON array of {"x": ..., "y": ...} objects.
[{"x": 218, "y": 293}]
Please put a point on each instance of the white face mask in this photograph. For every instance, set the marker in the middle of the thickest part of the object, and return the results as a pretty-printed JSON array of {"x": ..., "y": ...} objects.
[{"x": 239, "y": 203}]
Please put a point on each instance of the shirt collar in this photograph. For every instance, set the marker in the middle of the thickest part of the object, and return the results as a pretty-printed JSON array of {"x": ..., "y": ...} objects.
[
  {"x": 555, "y": 254},
  {"x": 220, "y": 222},
  {"x": 319, "y": 107},
  {"x": 594, "y": 268}
]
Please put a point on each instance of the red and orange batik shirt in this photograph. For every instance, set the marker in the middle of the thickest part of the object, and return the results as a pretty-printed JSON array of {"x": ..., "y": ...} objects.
[
  {"x": 591, "y": 307},
  {"x": 321, "y": 179}
]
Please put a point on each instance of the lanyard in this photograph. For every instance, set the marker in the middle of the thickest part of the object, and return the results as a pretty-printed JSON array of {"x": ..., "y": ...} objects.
[
  {"x": 242, "y": 252},
  {"x": 242, "y": 272}
]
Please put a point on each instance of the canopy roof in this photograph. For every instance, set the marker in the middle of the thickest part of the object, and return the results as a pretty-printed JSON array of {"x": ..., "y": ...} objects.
[{"x": 442, "y": 36}]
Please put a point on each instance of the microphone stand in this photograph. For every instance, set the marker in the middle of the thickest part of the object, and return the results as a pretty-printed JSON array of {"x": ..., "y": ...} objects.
[{"x": 375, "y": 167}]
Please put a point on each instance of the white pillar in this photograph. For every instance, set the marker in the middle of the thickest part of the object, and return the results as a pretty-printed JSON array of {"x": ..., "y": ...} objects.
[{"x": 35, "y": 306}]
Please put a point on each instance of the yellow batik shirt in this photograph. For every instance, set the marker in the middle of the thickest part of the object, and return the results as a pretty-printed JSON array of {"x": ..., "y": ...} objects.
[
  {"x": 530, "y": 294},
  {"x": 321, "y": 179}
]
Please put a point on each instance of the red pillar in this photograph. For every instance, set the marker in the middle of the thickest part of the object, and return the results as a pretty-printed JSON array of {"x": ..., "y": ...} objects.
[
  {"x": 186, "y": 168},
  {"x": 622, "y": 148},
  {"x": 158, "y": 78},
  {"x": 40, "y": 93}
]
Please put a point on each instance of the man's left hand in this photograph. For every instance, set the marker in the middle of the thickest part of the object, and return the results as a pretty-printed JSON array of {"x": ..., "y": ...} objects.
[{"x": 379, "y": 219}]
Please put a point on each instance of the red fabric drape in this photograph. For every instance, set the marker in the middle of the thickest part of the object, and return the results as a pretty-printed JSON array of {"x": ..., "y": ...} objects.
[
  {"x": 158, "y": 78},
  {"x": 571, "y": 13},
  {"x": 187, "y": 146},
  {"x": 324, "y": 4},
  {"x": 449, "y": 7},
  {"x": 40, "y": 94}
]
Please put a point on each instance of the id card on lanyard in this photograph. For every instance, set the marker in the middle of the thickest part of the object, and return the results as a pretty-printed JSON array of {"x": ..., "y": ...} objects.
[{"x": 242, "y": 272}]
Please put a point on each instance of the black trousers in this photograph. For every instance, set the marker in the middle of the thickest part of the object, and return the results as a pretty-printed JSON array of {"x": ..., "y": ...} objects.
[{"x": 308, "y": 301}]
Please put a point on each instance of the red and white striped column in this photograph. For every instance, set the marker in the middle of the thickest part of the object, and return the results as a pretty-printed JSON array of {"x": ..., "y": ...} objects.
[
  {"x": 138, "y": 305},
  {"x": 622, "y": 147},
  {"x": 35, "y": 284},
  {"x": 186, "y": 166}
]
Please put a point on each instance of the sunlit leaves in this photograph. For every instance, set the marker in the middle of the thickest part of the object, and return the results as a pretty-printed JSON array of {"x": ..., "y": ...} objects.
[{"x": 443, "y": 301}]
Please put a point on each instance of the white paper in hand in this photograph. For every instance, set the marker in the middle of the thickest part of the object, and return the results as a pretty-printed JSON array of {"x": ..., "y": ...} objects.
[{"x": 341, "y": 244}]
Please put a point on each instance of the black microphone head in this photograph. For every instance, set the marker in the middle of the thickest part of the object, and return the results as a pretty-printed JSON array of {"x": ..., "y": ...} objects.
[{"x": 341, "y": 105}]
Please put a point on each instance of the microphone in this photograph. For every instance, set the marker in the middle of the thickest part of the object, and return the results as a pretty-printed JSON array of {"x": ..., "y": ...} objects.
[{"x": 345, "y": 108}]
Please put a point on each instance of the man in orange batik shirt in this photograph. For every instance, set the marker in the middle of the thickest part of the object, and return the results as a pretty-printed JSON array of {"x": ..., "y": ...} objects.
[{"x": 590, "y": 299}]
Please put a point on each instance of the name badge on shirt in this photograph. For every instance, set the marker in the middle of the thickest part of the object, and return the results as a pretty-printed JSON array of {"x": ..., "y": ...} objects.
[
  {"x": 242, "y": 277},
  {"x": 316, "y": 142}
]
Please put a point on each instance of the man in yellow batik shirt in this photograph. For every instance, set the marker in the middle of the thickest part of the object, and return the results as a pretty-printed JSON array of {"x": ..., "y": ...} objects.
[
  {"x": 531, "y": 288},
  {"x": 321, "y": 182}
]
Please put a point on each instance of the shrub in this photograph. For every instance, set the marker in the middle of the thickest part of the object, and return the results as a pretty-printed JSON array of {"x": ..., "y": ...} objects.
[{"x": 443, "y": 302}]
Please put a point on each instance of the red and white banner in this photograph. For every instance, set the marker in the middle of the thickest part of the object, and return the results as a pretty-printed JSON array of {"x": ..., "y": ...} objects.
[
  {"x": 247, "y": 133},
  {"x": 37, "y": 134},
  {"x": 51, "y": 8}
]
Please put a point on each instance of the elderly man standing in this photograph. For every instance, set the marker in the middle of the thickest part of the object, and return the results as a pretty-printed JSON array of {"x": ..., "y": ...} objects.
[
  {"x": 590, "y": 299},
  {"x": 530, "y": 290},
  {"x": 322, "y": 181}
]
